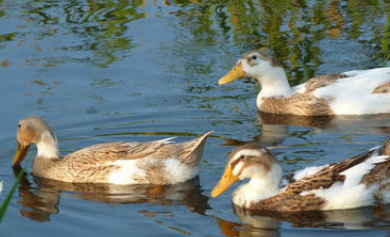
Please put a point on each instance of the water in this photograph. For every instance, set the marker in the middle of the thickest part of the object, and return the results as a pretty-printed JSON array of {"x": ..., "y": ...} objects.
[{"x": 101, "y": 71}]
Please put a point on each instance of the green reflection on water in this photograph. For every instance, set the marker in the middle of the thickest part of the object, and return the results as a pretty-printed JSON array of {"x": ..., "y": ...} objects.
[{"x": 102, "y": 27}]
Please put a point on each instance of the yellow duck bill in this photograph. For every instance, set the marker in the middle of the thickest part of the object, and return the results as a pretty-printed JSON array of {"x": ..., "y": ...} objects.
[
  {"x": 20, "y": 154},
  {"x": 228, "y": 178},
  {"x": 234, "y": 74}
]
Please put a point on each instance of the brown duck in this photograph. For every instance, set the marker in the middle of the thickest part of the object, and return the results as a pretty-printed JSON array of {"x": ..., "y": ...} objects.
[{"x": 154, "y": 162}]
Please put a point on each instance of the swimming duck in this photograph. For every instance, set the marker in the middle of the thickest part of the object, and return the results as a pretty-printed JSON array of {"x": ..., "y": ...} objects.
[
  {"x": 154, "y": 162},
  {"x": 348, "y": 93},
  {"x": 362, "y": 180}
]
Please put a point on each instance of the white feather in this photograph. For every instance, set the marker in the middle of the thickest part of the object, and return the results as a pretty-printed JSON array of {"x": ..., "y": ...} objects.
[
  {"x": 261, "y": 186},
  {"x": 246, "y": 152},
  {"x": 166, "y": 140},
  {"x": 350, "y": 193},
  {"x": 353, "y": 95},
  {"x": 1, "y": 186},
  {"x": 128, "y": 169},
  {"x": 48, "y": 146},
  {"x": 308, "y": 171},
  {"x": 178, "y": 172}
]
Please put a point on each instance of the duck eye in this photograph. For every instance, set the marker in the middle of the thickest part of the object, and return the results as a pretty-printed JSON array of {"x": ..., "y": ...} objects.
[
  {"x": 241, "y": 157},
  {"x": 254, "y": 57},
  {"x": 19, "y": 126}
]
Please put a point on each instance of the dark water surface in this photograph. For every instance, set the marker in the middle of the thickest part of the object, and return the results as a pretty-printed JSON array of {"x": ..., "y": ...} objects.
[{"x": 101, "y": 71}]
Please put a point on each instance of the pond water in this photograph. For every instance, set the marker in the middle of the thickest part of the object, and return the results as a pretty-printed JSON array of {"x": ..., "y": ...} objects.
[{"x": 101, "y": 71}]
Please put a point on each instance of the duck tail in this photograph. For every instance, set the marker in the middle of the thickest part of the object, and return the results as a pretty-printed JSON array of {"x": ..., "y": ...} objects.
[
  {"x": 193, "y": 150},
  {"x": 386, "y": 148}
]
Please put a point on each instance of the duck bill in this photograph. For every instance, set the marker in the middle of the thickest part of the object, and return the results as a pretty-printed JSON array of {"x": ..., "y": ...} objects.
[
  {"x": 20, "y": 154},
  {"x": 234, "y": 74},
  {"x": 228, "y": 178}
]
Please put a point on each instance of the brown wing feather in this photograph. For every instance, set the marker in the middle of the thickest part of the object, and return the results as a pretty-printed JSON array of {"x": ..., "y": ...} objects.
[
  {"x": 328, "y": 175},
  {"x": 94, "y": 163},
  {"x": 116, "y": 151},
  {"x": 322, "y": 80},
  {"x": 188, "y": 153},
  {"x": 292, "y": 200},
  {"x": 380, "y": 170}
]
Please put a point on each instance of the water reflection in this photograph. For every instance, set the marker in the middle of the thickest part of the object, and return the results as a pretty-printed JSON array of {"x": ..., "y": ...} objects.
[
  {"x": 268, "y": 223},
  {"x": 275, "y": 128},
  {"x": 98, "y": 27},
  {"x": 40, "y": 199},
  {"x": 264, "y": 226},
  {"x": 297, "y": 32}
]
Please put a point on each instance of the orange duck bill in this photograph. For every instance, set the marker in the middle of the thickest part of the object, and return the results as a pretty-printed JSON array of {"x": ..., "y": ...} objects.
[
  {"x": 228, "y": 178},
  {"x": 20, "y": 154}
]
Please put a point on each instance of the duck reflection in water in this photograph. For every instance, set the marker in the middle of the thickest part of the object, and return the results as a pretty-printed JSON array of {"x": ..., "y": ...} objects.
[
  {"x": 268, "y": 223},
  {"x": 275, "y": 128},
  {"x": 40, "y": 198}
]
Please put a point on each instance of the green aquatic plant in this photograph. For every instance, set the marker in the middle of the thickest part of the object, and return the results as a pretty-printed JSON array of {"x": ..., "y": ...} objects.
[
  {"x": 20, "y": 173},
  {"x": 7, "y": 200}
]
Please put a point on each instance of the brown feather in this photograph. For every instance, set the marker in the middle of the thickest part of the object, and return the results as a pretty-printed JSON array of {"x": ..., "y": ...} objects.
[
  {"x": 292, "y": 199},
  {"x": 93, "y": 164},
  {"x": 383, "y": 89},
  {"x": 298, "y": 104}
]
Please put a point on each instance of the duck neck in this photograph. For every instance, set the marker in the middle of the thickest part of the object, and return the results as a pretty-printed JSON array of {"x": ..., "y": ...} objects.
[
  {"x": 48, "y": 146},
  {"x": 258, "y": 188},
  {"x": 274, "y": 83}
]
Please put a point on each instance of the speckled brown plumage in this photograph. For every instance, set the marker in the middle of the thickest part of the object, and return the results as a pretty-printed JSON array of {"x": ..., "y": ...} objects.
[
  {"x": 290, "y": 203},
  {"x": 321, "y": 81},
  {"x": 94, "y": 163},
  {"x": 328, "y": 175},
  {"x": 298, "y": 104},
  {"x": 380, "y": 170},
  {"x": 386, "y": 148}
]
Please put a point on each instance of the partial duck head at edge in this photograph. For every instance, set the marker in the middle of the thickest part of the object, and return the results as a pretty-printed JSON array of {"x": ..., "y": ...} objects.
[{"x": 34, "y": 130}]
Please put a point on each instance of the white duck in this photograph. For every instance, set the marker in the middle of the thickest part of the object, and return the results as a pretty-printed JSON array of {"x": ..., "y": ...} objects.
[{"x": 348, "y": 93}]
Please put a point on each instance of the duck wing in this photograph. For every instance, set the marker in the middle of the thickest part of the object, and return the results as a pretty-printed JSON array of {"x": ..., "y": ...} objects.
[
  {"x": 341, "y": 185},
  {"x": 116, "y": 151},
  {"x": 354, "y": 92}
]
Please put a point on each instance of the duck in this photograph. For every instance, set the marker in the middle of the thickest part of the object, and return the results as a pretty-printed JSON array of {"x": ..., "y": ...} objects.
[
  {"x": 362, "y": 180},
  {"x": 356, "y": 92},
  {"x": 154, "y": 162}
]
